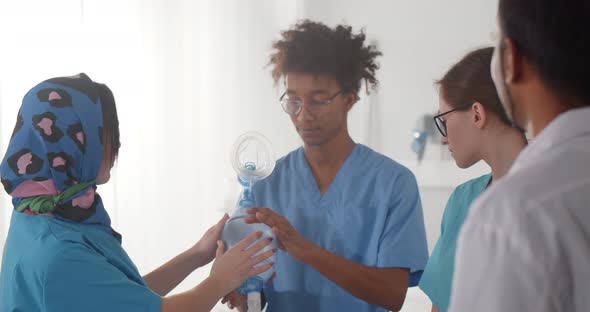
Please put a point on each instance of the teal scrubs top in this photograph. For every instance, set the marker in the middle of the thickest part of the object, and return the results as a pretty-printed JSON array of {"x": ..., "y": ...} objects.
[
  {"x": 52, "y": 265},
  {"x": 371, "y": 214},
  {"x": 437, "y": 279}
]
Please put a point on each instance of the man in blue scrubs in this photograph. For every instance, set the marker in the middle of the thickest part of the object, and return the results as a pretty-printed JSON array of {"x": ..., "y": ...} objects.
[{"x": 348, "y": 219}]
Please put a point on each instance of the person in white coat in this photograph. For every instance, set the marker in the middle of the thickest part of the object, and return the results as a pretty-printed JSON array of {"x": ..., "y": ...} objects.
[{"x": 526, "y": 243}]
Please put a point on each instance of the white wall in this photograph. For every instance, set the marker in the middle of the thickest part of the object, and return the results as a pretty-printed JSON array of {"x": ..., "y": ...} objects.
[
  {"x": 190, "y": 76},
  {"x": 420, "y": 39}
]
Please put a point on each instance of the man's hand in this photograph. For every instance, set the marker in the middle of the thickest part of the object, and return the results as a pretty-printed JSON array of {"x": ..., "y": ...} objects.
[{"x": 288, "y": 239}]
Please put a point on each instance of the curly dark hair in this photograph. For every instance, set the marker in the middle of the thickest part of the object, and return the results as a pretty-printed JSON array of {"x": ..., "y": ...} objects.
[{"x": 314, "y": 48}]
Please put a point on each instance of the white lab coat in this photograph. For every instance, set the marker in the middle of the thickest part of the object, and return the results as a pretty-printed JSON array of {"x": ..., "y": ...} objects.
[{"x": 525, "y": 245}]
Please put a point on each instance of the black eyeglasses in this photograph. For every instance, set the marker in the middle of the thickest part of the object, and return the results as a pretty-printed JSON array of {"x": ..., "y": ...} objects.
[
  {"x": 317, "y": 108},
  {"x": 441, "y": 124}
]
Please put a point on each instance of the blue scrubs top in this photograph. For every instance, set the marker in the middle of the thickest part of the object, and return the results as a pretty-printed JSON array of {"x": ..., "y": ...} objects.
[
  {"x": 437, "y": 279},
  {"x": 53, "y": 265},
  {"x": 371, "y": 214}
]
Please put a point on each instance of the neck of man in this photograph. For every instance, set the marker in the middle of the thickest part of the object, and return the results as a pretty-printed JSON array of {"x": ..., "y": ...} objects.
[
  {"x": 331, "y": 153},
  {"x": 540, "y": 105},
  {"x": 325, "y": 160}
]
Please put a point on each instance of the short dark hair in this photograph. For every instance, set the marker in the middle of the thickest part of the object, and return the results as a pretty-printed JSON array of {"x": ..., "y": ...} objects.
[
  {"x": 110, "y": 120},
  {"x": 553, "y": 35},
  {"x": 470, "y": 80},
  {"x": 314, "y": 48}
]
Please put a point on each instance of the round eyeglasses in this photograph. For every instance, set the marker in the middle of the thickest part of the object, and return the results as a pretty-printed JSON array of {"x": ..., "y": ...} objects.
[{"x": 315, "y": 107}]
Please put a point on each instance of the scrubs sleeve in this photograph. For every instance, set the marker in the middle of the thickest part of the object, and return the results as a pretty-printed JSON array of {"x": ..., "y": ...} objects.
[
  {"x": 80, "y": 279},
  {"x": 403, "y": 242}
]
